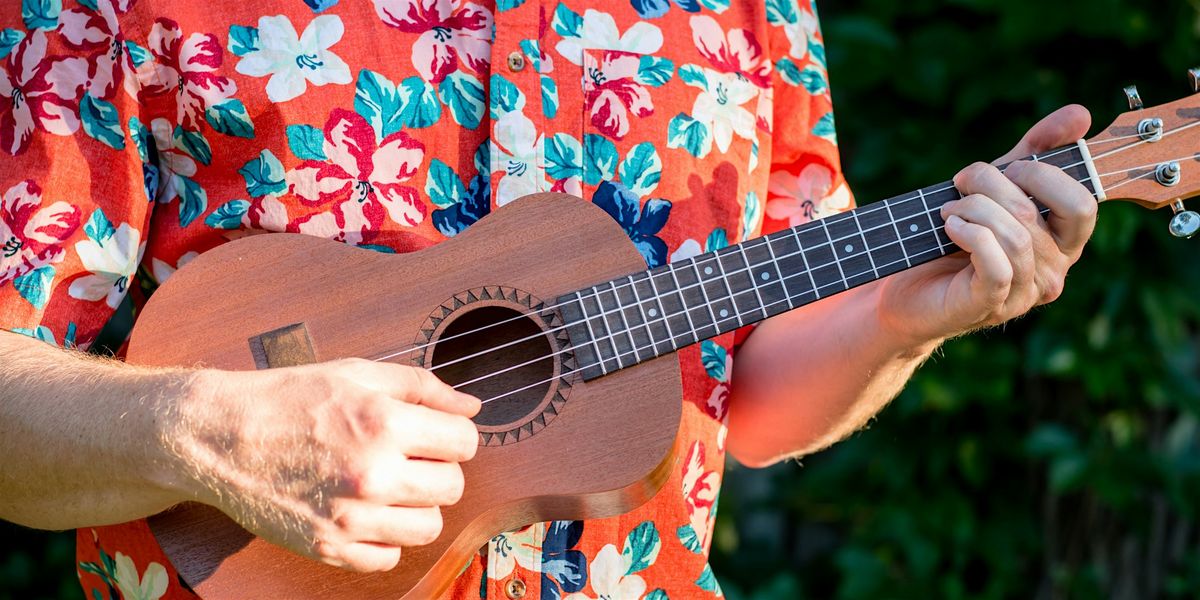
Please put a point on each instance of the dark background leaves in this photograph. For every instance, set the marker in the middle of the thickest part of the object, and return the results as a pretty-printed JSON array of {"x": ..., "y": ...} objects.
[{"x": 1057, "y": 457}]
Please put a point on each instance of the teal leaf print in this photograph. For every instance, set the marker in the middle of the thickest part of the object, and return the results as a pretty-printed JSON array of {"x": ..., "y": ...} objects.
[
  {"x": 564, "y": 157},
  {"x": 320, "y": 5},
  {"x": 642, "y": 169},
  {"x": 40, "y": 333},
  {"x": 380, "y": 248},
  {"x": 143, "y": 140},
  {"x": 376, "y": 99},
  {"x": 264, "y": 175},
  {"x": 228, "y": 215},
  {"x": 689, "y": 134},
  {"x": 549, "y": 97},
  {"x": 90, "y": 4},
  {"x": 9, "y": 38},
  {"x": 693, "y": 76},
  {"x": 689, "y": 539},
  {"x": 658, "y": 594},
  {"x": 483, "y": 158},
  {"x": 138, "y": 54},
  {"x": 242, "y": 40},
  {"x": 751, "y": 215},
  {"x": 40, "y": 14},
  {"x": 503, "y": 5},
  {"x": 463, "y": 93},
  {"x": 194, "y": 144},
  {"x": 34, "y": 286},
  {"x": 566, "y": 22},
  {"x": 824, "y": 128},
  {"x": 99, "y": 228},
  {"x": 193, "y": 200},
  {"x": 713, "y": 356},
  {"x": 641, "y": 547},
  {"x": 419, "y": 106},
  {"x": 505, "y": 97},
  {"x": 717, "y": 6},
  {"x": 816, "y": 53},
  {"x": 533, "y": 53},
  {"x": 654, "y": 71},
  {"x": 707, "y": 581},
  {"x": 716, "y": 240},
  {"x": 100, "y": 121},
  {"x": 230, "y": 118},
  {"x": 599, "y": 159},
  {"x": 444, "y": 187},
  {"x": 780, "y": 12},
  {"x": 306, "y": 142},
  {"x": 788, "y": 70},
  {"x": 812, "y": 78}
]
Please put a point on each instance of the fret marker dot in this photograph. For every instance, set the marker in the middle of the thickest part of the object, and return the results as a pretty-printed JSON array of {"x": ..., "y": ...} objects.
[
  {"x": 913, "y": 228},
  {"x": 653, "y": 312},
  {"x": 765, "y": 276},
  {"x": 708, "y": 270},
  {"x": 849, "y": 247},
  {"x": 724, "y": 313}
]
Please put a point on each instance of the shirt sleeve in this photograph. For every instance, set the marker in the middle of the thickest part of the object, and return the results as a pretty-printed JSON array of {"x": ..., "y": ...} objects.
[
  {"x": 805, "y": 181},
  {"x": 75, "y": 186}
]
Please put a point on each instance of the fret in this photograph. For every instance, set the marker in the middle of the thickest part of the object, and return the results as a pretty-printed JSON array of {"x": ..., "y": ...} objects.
[
  {"x": 671, "y": 305},
  {"x": 716, "y": 325},
  {"x": 688, "y": 279},
  {"x": 660, "y": 334},
  {"x": 583, "y": 344},
  {"x": 899, "y": 236},
  {"x": 632, "y": 345},
  {"x": 818, "y": 257},
  {"x": 767, "y": 273},
  {"x": 851, "y": 250},
  {"x": 947, "y": 193},
  {"x": 683, "y": 304},
  {"x": 614, "y": 323},
  {"x": 833, "y": 253},
  {"x": 737, "y": 277},
  {"x": 634, "y": 315},
  {"x": 882, "y": 240},
  {"x": 733, "y": 310},
  {"x": 591, "y": 326},
  {"x": 807, "y": 269},
  {"x": 751, "y": 275},
  {"x": 712, "y": 283},
  {"x": 797, "y": 283},
  {"x": 866, "y": 246}
]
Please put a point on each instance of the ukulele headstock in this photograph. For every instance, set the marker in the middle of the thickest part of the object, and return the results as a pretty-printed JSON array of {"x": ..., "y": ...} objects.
[{"x": 1151, "y": 156}]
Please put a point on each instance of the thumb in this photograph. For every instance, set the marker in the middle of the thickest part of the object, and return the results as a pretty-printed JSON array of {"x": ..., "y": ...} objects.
[{"x": 1061, "y": 127}]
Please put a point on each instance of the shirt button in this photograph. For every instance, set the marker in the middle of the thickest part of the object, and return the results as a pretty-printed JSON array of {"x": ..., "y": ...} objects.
[
  {"x": 515, "y": 589},
  {"x": 516, "y": 62}
]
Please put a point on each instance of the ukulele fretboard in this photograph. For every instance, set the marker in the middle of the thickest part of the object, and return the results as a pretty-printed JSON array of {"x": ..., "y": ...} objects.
[{"x": 625, "y": 321}]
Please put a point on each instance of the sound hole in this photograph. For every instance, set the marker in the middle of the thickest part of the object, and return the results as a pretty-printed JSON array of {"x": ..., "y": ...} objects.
[{"x": 498, "y": 372}]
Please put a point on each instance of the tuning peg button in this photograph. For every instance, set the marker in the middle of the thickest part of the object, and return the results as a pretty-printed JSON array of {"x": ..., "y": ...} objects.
[
  {"x": 1194, "y": 79},
  {"x": 1185, "y": 223},
  {"x": 1135, "y": 99}
]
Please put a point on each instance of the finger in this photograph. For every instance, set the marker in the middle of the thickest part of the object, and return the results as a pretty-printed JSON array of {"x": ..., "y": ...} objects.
[
  {"x": 987, "y": 180},
  {"x": 392, "y": 525},
  {"x": 1064, "y": 126},
  {"x": 414, "y": 482},
  {"x": 366, "y": 558},
  {"x": 1013, "y": 237},
  {"x": 1072, "y": 207},
  {"x": 993, "y": 272},
  {"x": 411, "y": 384},
  {"x": 435, "y": 435}
]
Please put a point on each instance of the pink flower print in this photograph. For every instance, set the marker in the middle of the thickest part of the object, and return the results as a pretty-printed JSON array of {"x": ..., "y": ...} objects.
[
  {"x": 700, "y": 488},
  {"x": 613, "y": 92},
  {"x": 801, "y": 198},
  {"x": 32, "y": 235},
  {"x": 98, "y": 33},
  {"x": 38, "y": 92},
  {"x": 362, "y": 180},
  {"x": 736, "y": 52},
  {"x": 188, "y": 68},
  {"x": 450, "y": 31}
]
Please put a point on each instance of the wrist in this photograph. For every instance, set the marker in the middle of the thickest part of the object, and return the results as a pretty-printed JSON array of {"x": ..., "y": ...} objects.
[
  {"x": 186, "y": 401},
  {"x": 901, "y": 334}
]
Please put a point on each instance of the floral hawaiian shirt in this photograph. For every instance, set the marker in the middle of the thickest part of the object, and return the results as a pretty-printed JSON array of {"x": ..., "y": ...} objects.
[{"x": 136, "y": 134}]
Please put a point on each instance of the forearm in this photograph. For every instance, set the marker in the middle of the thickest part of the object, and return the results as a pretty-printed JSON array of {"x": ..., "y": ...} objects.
[
  {"x": 810, "y": 377},
  {"x": 80, "y": 437}
]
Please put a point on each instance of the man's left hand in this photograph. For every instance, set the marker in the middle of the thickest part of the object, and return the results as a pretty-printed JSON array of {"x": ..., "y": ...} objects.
[{"x": 1013, "y": 259}]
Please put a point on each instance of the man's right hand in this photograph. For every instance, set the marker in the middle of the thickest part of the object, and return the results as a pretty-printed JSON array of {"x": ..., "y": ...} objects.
[{"x": 344, "y": 462}]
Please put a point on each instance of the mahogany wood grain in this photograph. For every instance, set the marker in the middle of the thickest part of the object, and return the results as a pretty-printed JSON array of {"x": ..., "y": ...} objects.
[{"x": 609, "y": 449}]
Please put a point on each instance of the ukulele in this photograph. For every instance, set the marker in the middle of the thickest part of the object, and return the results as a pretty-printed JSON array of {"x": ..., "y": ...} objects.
[{"x": 571, "y": 352}]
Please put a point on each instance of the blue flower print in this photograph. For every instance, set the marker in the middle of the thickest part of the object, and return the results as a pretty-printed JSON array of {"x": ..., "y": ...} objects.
[
  {"x": 563, "y": 568},
  {"x": 622, "y": 205}
]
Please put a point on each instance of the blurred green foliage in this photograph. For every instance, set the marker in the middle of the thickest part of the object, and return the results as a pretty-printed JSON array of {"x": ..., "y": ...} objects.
[{"x": 1058, "y": 456}]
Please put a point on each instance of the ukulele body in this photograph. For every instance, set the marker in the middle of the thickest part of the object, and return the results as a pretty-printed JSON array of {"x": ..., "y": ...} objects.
[{"x": 559, "y": 448}]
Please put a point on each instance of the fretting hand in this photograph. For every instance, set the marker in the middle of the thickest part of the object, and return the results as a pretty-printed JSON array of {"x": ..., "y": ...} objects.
[
  {"x": 344, "y": 462},
  {"x": 1013, "y": 259}
]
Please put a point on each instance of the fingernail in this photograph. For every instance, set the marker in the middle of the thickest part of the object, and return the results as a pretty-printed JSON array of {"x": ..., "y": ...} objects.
[
  {"x": 1016, "y": 167},
  {"x": 953, "y": 220}
]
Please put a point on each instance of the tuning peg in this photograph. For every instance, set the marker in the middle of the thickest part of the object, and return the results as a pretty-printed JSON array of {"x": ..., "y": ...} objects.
[
  {"x": 1194, "y": 79},
  {"x": 1185, "y": 223},
  {"x": 1135, "y": 99}
]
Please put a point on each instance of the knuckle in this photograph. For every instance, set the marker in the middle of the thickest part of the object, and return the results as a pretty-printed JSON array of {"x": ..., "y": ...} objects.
[
  {"x": 1025, "y": 211},
  {"x": 326, "y": 551},
  {"x": 1053, "y": 289},
  {"x": 455, "y": 485}
]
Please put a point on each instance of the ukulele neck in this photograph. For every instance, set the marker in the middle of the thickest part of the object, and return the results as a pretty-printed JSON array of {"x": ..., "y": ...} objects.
[{"x": 625, "y": 321}]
